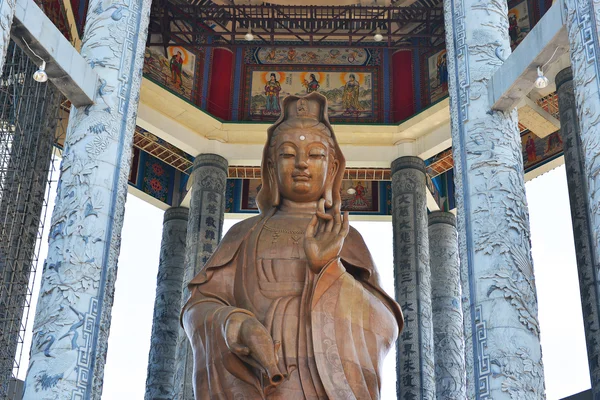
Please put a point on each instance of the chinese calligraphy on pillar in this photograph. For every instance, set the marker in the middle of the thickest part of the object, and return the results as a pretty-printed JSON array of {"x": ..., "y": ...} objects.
[{"x": 415, "y": 361}]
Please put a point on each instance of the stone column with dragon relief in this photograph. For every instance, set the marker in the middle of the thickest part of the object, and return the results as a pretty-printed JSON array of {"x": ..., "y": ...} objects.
[
  {"x": 580, "y": 218},
  {"x": 583, "y": 28},
  {"x": 502, "y": 333},
  {"x": 72, "y": 318},
  {"x": 7, "y": 13},
  {"x": 205, "y": 227},
  {"x": 167, "y": 305},
  {"x": 414, "y": 354},
  {"x": 448, "y": 333}
]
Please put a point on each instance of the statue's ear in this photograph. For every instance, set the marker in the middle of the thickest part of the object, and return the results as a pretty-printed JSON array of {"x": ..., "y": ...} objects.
[
  {"x": 273, "y": 187},
  {"x": 328, "y": 195}
]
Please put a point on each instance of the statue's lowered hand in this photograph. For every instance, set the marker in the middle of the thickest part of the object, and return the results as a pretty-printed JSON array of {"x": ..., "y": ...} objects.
[{"x": 248, "y": 339}]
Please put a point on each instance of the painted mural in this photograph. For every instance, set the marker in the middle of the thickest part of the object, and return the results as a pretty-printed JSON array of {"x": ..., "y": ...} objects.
[
  {"x": 519, "y": 24},
  {"x": 176, "y": 71},
  {"x": 250, "y": 190},
  {"x": 537, "y": 151},
  {"x": 438, "y": 76},
  {"x": 349, "y": 93},
  {"x": 157, "y": 179},
  {"x": 152, "y": 176},
  {"x": 313, "y": 56},
  {"x": 360, "y": 196}
]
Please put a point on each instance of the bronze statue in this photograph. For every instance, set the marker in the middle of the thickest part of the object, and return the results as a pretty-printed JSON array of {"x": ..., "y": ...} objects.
[{"x": 289, "y": 306}]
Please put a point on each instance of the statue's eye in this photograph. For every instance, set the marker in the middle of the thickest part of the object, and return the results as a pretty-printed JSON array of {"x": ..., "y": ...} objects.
[
  {"x": 317, "y": 154},
  {"x": 287, "y": 154}
]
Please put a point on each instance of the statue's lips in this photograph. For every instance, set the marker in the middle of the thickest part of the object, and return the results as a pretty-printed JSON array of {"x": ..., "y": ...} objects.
[{"x": 301, "y": 177}]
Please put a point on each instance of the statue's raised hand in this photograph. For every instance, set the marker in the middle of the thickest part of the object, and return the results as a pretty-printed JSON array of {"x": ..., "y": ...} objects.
[
  {"x": 325, "y": 236},
  {"x": 248, "y": 339}
]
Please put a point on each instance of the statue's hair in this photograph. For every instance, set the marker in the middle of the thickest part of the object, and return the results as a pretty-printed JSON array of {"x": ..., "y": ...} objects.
[{"x": 269, "y": 195}]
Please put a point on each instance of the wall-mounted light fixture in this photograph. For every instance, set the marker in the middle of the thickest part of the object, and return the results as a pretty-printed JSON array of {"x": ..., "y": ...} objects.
[
  {"x": 249, "y": 36},
  {"x": 378, "y": 37},
  {"x": 541, "y": 81},
  {"x": 40, "y": 75}
]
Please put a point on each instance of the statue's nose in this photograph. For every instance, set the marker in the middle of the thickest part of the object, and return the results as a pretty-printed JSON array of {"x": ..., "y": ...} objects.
[{"x": 301, "y": 163}]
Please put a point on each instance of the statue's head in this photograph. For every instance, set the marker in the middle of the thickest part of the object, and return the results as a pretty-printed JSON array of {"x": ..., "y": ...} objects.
[{"x": 302, "y": 160}]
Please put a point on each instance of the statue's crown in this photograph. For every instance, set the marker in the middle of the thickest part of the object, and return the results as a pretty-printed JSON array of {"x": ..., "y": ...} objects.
[
  {"x": 302, "y": 108},
  {"x": 309, "y": 110},
  {"x": 312, "y": 106}
]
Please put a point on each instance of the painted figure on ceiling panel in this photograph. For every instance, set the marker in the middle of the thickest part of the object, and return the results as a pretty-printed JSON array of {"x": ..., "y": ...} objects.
[
  {"x": 176, "y": 65},
  {"x": 438, "y": 75},
  {"x": 530, "y": 149},
  {"x": 537, "y": 151},
  {"x": 174, "y": 70},
  {"x": 518, "y": 23},
  {"x": 442, "y": 71},
  {"x": 513, "y": 27},
  {"x": 272, "y": 89},
  {"x": 350, "y": 95},
  {"x": 312, "y": 85}
]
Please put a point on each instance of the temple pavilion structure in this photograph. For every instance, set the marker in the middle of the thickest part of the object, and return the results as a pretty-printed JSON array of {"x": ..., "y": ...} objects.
[{"x": 443, "y": 110}]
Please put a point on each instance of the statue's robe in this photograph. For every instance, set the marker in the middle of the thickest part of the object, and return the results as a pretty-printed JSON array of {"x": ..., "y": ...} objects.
[{"x": 345, "y": 327}]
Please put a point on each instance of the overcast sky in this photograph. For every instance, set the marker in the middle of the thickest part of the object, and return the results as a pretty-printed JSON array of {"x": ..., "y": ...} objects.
[{"x": 563, "y": 344}]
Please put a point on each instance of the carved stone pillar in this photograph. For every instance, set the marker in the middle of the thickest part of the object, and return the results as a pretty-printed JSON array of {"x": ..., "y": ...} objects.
[
  {"x": 414, "y": 356},
  {"x": 72, "y": 318},
  {"x": 504, "y": 359},
  {"x": 580, "y": 217},
  {"x": 448, "y": 331},
  {"x": 205, "y": 226},
  {"x": 7, "y": 13},
  {"x": 167, "y": 306}
]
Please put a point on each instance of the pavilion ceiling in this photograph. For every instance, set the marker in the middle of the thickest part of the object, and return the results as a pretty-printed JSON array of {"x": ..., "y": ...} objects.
[{"x": 204, "y": 23}]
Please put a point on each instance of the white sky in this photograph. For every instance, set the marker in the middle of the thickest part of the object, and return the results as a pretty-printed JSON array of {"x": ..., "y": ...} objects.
[{"x": 563, "y": 344}]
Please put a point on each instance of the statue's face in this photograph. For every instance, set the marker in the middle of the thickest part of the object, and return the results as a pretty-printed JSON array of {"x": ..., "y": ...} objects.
[{"x": 301, "y": 164}]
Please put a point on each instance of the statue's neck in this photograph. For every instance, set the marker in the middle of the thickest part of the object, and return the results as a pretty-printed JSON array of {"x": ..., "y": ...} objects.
[{"x": 292, "y": 207}]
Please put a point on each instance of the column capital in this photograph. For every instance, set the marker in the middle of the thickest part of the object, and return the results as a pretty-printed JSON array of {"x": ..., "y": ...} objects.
[
  {"x": 210, "y": 160},
  {"x": 411, "y": 162},
  {"x": 563, "y": 76},
  {"x": 181, "y": 213},
  {"x": 442, "y": 217}
]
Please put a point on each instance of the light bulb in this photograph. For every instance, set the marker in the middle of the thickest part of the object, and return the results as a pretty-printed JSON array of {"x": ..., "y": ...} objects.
[
  {"x": 541, "y": 81},
  {"x": 40, "y": 75},
  {"x": 249, "y": 36},
  {"x": 378, "y": 37}
]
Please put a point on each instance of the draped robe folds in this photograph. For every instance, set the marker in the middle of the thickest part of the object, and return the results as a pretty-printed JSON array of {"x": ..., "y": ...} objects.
[{"x": 346, "y": 323}]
